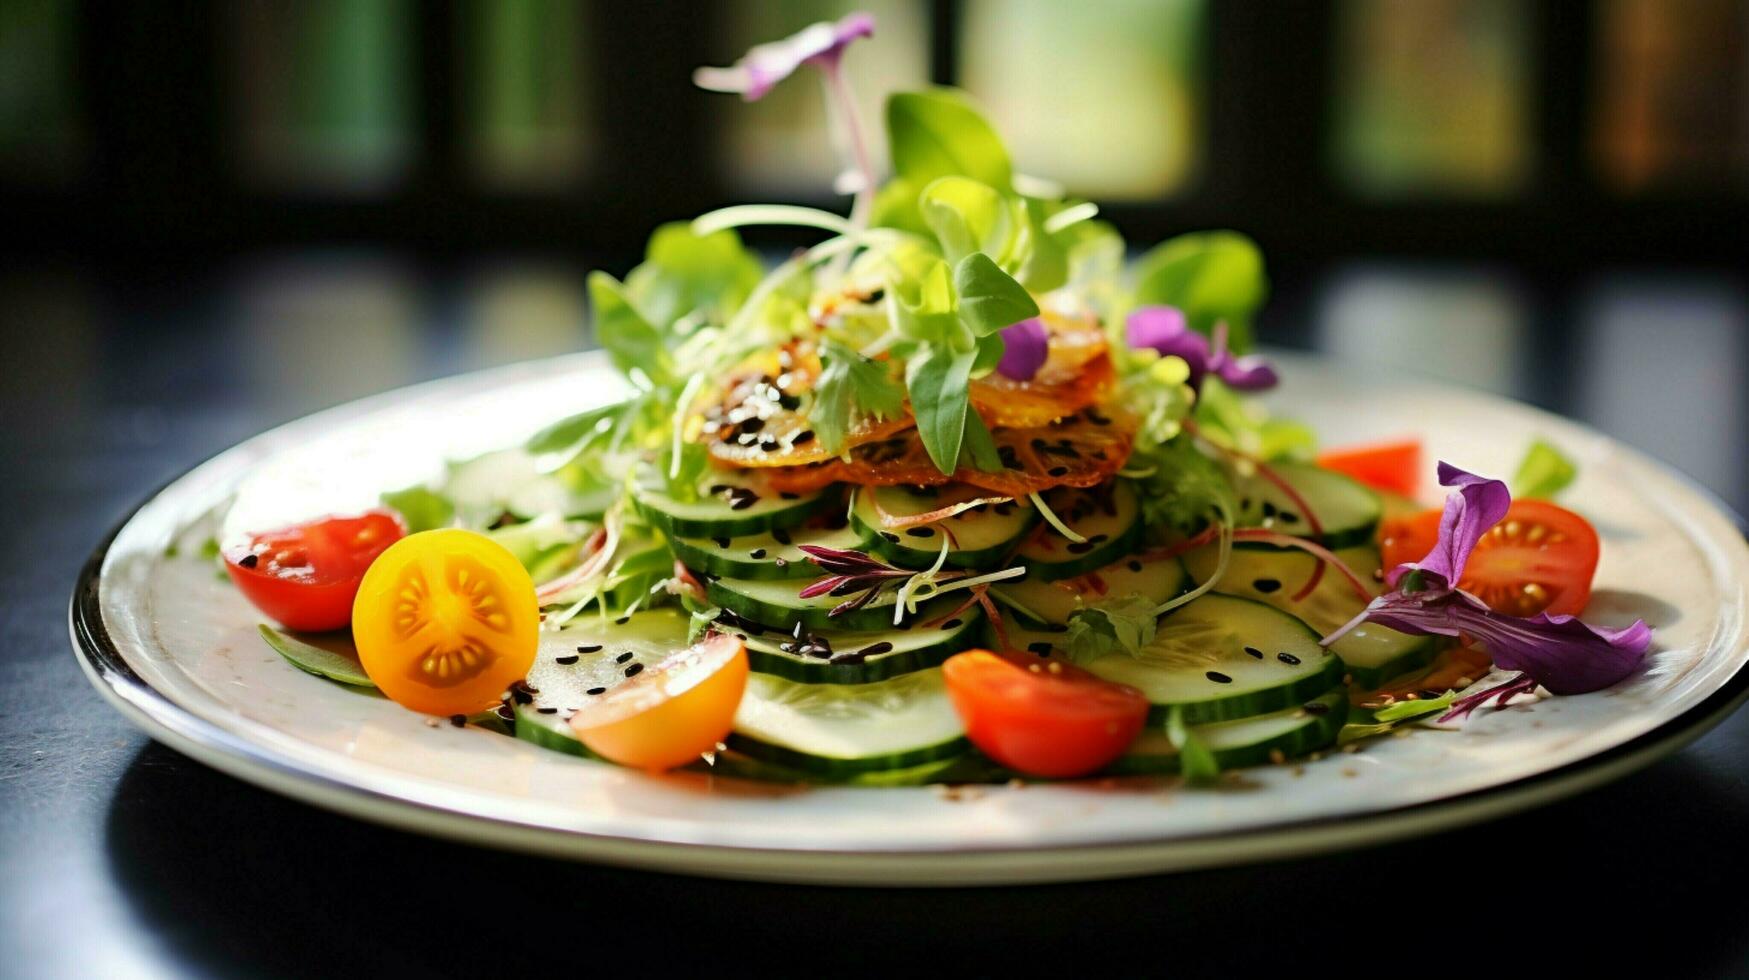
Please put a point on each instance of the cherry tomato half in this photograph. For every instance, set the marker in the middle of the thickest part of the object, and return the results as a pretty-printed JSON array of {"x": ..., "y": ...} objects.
[
  {"x": 672, "y": 713},
  {"x": 1042, "y": 717},
  {"x": 1539, "y": 558},
  {"x": 1394, "y": 465},
  {"x": 304, "y": 576},
  {"x": 445, "y": 621}
]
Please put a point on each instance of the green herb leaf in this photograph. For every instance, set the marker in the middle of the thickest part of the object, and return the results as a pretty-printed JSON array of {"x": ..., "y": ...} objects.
[
  {"x": 939, "y": 383},
  {"x": 1125, "y": 624},
  {"x": 1545, "y": 472},
  {"x": 684, "y": 272},
  {"x": 968, "y": 216},
  {"x": 850, "y": 383},
  {"x": 989, "y": 299},
  {"x": 1196, "y": 762},
  {"x": 1044, "y": 266},
  {"x": 927, "y": 310},
  {"x": 630, "y": 340},
  {"x": 568, "y": 433},
  {"x": 1392, "y": 716},
  {"x": 421, "y": 508},
  {"x": 937, "y": 133},
  {"x": 1212, "y": 276},
  {"x": 322, "y": 662},
  {"x": 979, "y": 448},
  {"x": 1186, "y": 489}
]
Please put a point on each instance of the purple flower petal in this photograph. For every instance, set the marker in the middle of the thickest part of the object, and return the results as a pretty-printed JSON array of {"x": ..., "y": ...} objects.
[
  {"x": 764, "y": 65},
  {"x": 1164, "y": 329},
  {"x": 1478, "y": 505},
  {"x": 1025, "y": 345},
  {"x": 1559, "y": 652},
  {"x": 1249, "y": 373}
]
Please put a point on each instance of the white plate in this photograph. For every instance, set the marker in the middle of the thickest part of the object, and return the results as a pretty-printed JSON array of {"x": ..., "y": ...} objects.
[{"x": 176, "y": 651}]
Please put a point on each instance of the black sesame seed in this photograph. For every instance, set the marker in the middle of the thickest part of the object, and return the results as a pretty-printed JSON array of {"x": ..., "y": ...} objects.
[
  {"x": 1058, "y": 471},
  {"x": 1135, "y": 566},
  {"x": 596, "y": 690},
  {"x": 1218, "y": 677},
  {"x": 458, "y": 720},
  {"x": 952, "y": 623},
  {"x": 622, "y": 658},
  {"x": 634, "y": 670},
  {"x": 1268, "y": 509},
  {"x": 590, "y": 648},
  {"x": 921, "y": 532},
  {"x": 249, "y": 561},
  {"x": 622, "y": 620},
  {"x": 1316, "y": 707},
  {"x": 781, "y": 536},
  {"x": 756, "y": 553},
  {"x": 742, "y": 503},
  {"x": 720, "y": 542},
  {"x": 803, "y": 438},
  {"x": 1080, "y": 547},
  {"x": 717, "y": 488},
  {"x": 875, "y": 649},
  {"x": 505, "y": 712},
  {"x": 786, "y": 495},
  {"x": 566, "y": 660},
  {"x": 890, "y": 536},
  {"x": 1254, "y": 652},
  {"x": 548, "y": 711},
  {"x": 1289, "y": 517},
  {"x": 1041, "y": 648},
  {"x": 1266, "y": 585},
  {"x": 1288, "y": 658}
]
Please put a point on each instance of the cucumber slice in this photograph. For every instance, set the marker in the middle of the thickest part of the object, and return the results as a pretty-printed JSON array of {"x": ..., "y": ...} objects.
[
  {"x": 585, "y": 656},
  {"x": 839, "y": 729},
  {"x": 1044, "y": 639},
  {"x": 1348, "y": 512},
  {"x": 729, "y": 503},
  {"x": 1275, "y": 736},
  {"x": 1221, "y": 658},
  {"x": 767, "y": 555},
  {"x": 839, "y": 657},
  {"x": 776, "y": 604},
  {"x": 510, "y": 480},
  {"x": 1107, "y": 516},
  {"x": 979, "y": 538},
  {"x": 1373, "y": 654},
  {"x": 1054, "y": 602}
]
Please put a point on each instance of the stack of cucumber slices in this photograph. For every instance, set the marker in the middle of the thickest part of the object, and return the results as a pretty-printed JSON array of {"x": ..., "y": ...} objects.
[{"x": 857, "y": 695}]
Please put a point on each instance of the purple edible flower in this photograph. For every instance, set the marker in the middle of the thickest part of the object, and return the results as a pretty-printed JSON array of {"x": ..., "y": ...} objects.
[
  {"x": 1025, "y": 345},
  {"x": 764, "y": 65},
  {"x": 1165, "y": 329},
  {"x": 1559, "y": 653}
]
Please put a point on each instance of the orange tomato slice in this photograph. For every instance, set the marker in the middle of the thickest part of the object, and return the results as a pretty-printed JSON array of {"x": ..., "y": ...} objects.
[
  {"x": 672, "y": 713},
  {"x": 445, "y": 621}
]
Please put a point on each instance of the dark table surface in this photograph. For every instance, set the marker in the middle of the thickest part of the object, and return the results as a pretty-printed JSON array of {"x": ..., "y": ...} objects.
[{"x": 119, "y": 857}]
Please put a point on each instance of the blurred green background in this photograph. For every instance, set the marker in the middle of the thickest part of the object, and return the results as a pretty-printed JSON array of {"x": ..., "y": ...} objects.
[{"x": 248, "y": 210}]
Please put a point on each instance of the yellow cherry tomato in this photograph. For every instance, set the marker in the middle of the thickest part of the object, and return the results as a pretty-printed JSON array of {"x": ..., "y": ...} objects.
[
  {"x": 445, "y": 621},
  {"x": 672, "y": 713}
]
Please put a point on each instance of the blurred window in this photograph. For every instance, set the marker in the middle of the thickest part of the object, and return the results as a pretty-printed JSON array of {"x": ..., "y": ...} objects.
[
  {"x": 1465, "y": 325},
  {"x": 40, "y": 134},
  {"x": 1432, "y": 97},
  {"x": 327, "y": 92},
  {"x": 1671, "y": 106},
  {"x": 1105, "y": 98},
  {"x": 524, "y": 65},
  {"x": 779, "y": 144}
]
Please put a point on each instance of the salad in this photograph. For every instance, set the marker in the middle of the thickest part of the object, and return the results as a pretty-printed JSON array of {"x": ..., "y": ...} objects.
[{"x": 951, "y": 495}]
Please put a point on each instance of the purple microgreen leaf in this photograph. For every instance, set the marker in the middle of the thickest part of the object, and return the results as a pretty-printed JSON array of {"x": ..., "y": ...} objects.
[
  {"x": 1025, "y": 346},
  {"x": 1478, "y": 505},
  {"x": 823, "y": 586},
  {"x": 1164, "y": 329},
  {"x": 1500, "y": 693}
]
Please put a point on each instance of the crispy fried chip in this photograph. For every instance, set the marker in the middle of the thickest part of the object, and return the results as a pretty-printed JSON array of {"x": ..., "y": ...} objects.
[{"x": 1079, "y": 451}]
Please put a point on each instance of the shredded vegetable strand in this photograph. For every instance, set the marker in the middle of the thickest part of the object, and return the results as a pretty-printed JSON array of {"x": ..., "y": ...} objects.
[
  {"x": 743, "y": 215},
  {"x": 1051, "y": 518},
  {"x": 898, "y": 522},
  {"x": 1226, "y": 556},
  {"x": 1323, "y": 554}
]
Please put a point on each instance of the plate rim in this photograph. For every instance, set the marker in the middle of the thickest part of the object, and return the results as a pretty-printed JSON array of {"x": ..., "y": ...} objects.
[{"x": 104, "y": 665}]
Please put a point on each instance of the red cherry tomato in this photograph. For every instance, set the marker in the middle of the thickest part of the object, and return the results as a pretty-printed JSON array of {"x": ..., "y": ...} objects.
[
  {"x": 1539, "y": 558},
  {"x": 1394, "y": 465},
  {"x": 1042, "y": 717},
  {"x": 304, "y": 577}
]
